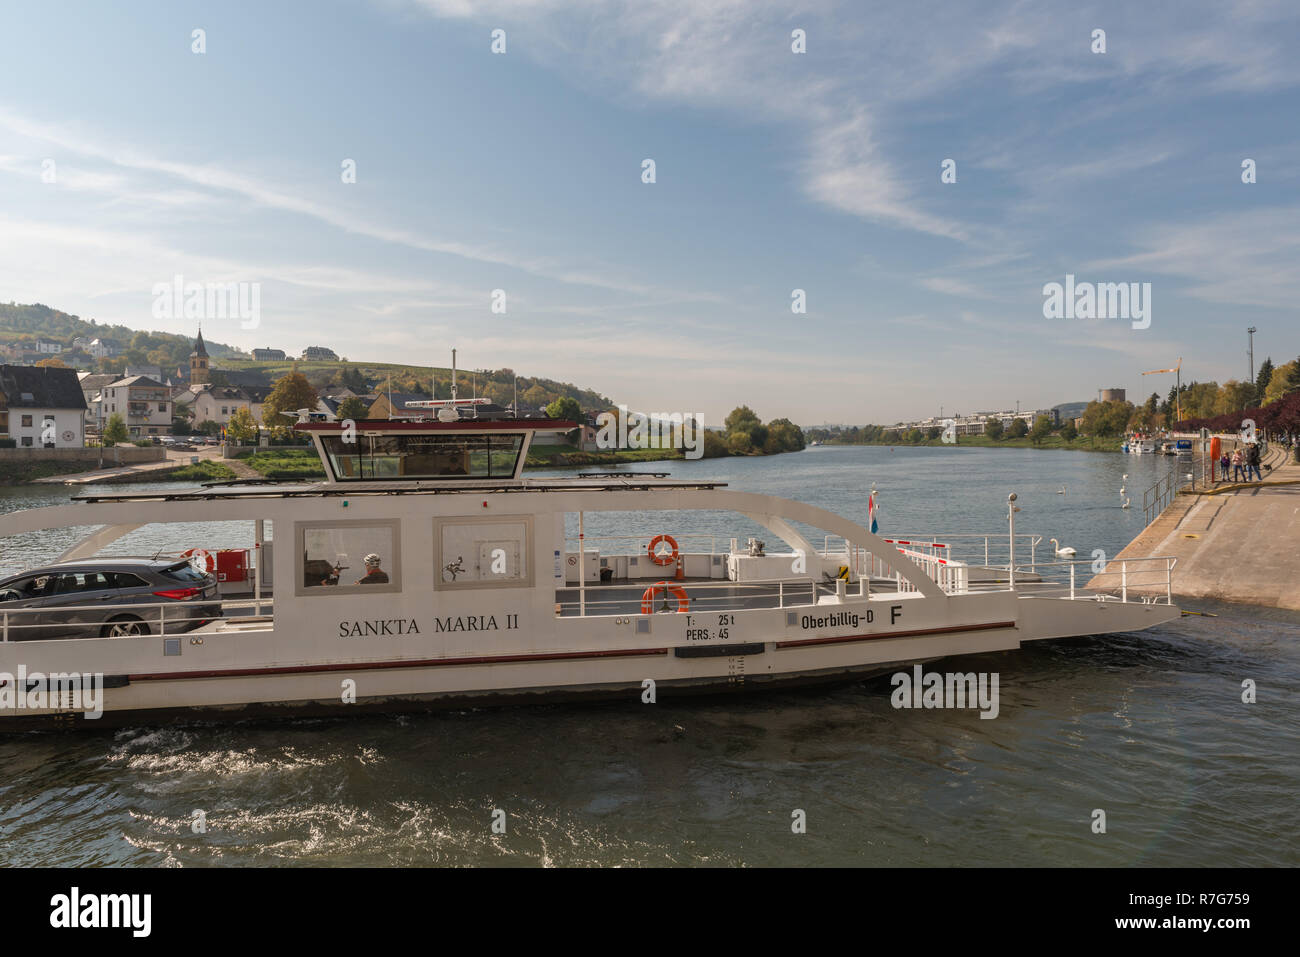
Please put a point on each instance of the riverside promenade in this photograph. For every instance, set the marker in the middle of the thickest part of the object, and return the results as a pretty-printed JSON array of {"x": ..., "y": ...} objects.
[{"x": 1234, "y": 543}]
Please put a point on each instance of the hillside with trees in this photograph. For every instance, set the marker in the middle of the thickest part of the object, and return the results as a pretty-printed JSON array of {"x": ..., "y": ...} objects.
[{"x": 22, "y": 324}]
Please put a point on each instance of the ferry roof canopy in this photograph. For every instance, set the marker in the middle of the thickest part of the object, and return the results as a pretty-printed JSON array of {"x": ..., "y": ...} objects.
[{"x": 432, "y": 425}]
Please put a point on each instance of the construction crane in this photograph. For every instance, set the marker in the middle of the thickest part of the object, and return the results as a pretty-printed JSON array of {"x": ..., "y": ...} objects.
[{"x": 1178, "y": 387}]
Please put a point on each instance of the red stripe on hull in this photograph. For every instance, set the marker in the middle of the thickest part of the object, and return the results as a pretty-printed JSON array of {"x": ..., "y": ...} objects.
[{"x": 991, "y": 626}]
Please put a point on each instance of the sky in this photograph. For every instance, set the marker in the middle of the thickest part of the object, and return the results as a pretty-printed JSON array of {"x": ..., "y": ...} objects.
[{"x": 127, "y": 159}]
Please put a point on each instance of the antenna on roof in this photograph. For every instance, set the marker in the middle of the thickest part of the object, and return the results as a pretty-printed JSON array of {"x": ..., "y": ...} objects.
[{"x": 453, "y": 374}]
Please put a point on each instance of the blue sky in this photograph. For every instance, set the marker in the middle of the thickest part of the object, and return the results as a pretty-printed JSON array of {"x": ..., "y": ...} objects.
[{"x": 775, "y": 171}]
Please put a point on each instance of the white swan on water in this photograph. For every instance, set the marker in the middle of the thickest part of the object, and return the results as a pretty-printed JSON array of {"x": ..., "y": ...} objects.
[
  {"x": 1062, "y": 552},
  {"x": 1126, "y": 504},
  {"x": 1061, "y": 490}
]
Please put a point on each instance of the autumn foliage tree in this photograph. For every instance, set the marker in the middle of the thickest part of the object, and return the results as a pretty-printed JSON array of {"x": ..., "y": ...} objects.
[{"x": 280, "y": 411}]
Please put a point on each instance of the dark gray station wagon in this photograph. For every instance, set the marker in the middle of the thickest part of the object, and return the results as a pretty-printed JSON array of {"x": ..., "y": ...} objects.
[{"x": 91, "y": 598}]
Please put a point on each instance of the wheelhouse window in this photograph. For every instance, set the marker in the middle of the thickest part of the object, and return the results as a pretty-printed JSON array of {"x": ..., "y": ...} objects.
[
  {"x": 348, "y": 558},
  {"x": 484, "y": 553},
  {"x": 415, "y": 456}
]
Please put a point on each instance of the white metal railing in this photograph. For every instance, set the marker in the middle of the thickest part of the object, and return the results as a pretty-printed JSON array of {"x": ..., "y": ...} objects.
[
  {"x": 977, "y": 548},
  {"x": 719, "y": 596},
  {"x": 591, "y": 542},
  {"x": 1149, "y": 579},
  {"x": 8, "y": 625}
]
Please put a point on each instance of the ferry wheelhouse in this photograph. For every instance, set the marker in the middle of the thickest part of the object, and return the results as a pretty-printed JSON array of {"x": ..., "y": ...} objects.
[{"x": 427, "y": 570}]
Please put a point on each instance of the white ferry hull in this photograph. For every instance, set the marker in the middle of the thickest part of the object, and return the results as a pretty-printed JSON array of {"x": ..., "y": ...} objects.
[{"x": 217, "y": 688}]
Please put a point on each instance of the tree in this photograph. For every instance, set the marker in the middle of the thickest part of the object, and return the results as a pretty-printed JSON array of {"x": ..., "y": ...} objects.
[
  {"x": 242, "y": 429},
  {"x": 741, "y": 419},
  {"x": 1234, "y": 396},
  {"x": 1069, "y": 432},
  {"x": 933, "y": 432},
  {"x": 738, "y": 443},
  {"x": 536, "y": 396},
  {"x": 352, "y": 408},
  {"x": 715, "y": 446},
  {"x": 52, "y": 363},
  {"x": 1262, "y": 379},
  {"x": 1018, "y": 429},
  {"x": 1293, "y": 377},
  {"x": 291, "y": 393},
  {"x": 785, "y": 435},
  {"x": 993, "y": 429},
  {"x": 914, "y": 436},
  {"x": 1041, "y": 430},
  {"x": 1277, "y": 383},
  {"x": 354, "y": 380},
  {"x": 565, "y": 407},
  {"x": 114, "y": 430}
]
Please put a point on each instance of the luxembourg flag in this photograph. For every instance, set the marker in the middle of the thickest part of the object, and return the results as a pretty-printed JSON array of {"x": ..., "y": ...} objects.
[{"x": 871, "y": 511}]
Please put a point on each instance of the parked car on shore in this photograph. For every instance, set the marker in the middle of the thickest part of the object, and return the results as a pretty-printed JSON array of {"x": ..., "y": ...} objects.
[{"x": 93, "y": 598}]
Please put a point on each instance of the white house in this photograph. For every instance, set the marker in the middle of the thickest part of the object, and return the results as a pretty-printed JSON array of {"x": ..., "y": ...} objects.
[
  {"x": 215, "y": 403},
  {"x": 41, "y": 407},
  {"x": 144, "y": 404}
]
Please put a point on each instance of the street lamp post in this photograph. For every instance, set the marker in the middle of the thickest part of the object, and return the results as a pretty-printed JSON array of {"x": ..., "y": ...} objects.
[
  {"x": 1250, "y": 352},
  {"x": 1011, "y": 550}
]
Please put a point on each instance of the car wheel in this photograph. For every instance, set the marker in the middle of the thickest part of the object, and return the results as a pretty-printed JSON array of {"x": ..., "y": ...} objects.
[{"x": 125, "y": 627}]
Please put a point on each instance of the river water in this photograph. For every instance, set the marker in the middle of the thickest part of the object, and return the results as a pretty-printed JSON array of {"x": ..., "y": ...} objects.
[{"x": 1148, "y": 727}]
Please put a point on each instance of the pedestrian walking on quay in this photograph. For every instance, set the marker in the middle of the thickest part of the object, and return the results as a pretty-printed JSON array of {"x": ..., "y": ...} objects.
[
  {"x": 1252, "y": 463},
  {"x": 1237, "y": 463},
  {"x": 1224, "y": 463}
]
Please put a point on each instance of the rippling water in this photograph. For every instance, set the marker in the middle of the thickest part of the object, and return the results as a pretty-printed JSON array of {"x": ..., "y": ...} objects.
[{"x": 1148, "y": 726}]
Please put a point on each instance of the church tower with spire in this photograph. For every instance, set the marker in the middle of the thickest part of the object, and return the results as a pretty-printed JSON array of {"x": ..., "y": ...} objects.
[{"x": 199, "y": 373}]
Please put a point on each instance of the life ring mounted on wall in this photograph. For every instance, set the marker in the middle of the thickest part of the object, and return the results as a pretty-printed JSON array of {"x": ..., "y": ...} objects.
[
  {"x": 677, "y": 591},
  {"x": 663, "y": 558},
  {"x": 209, "y": 559}
]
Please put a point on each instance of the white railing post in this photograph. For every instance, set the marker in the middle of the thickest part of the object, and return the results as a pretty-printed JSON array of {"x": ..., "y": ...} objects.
[
  {"x": 6, "y": 627},
  {"x": 1123, "y": 578},
  {"x": 780, "y": 594},
  {"x": 1071, "y": 579}
]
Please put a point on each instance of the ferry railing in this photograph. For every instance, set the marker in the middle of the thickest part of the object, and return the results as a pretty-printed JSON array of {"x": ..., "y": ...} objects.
[
  {"x": 718, "y": 596},
  {"x": 8, "y": 625},
  {"x": 1151, "y": 579},
  {"x": 989, "y": 550}
]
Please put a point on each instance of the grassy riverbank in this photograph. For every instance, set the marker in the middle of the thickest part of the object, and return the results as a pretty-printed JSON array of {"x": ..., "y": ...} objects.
[
  {"x": 207, "y": 470},
  {"x": 285, "y": 463}
]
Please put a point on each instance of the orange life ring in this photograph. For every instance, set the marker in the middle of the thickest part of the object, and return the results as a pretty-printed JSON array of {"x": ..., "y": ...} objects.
[
  {"x": 662, "y": 559},
  {"x": 677, "y": 591},
  {"x": 209, "y": 560}
]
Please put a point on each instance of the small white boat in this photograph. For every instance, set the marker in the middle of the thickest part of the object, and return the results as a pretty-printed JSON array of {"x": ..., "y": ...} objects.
[{"x": 427, "y": 571}]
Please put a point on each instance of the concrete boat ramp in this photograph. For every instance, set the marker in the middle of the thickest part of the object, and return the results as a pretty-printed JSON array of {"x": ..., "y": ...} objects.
[{"x": 1233, "y": 543}]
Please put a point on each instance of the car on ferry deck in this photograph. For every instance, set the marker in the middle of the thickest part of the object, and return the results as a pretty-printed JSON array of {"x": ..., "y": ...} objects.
[{"x": 93, "y": 598}]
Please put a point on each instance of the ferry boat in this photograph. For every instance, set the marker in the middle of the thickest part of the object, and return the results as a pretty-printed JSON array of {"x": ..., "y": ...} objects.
[{"x": 426, "y": 570}]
